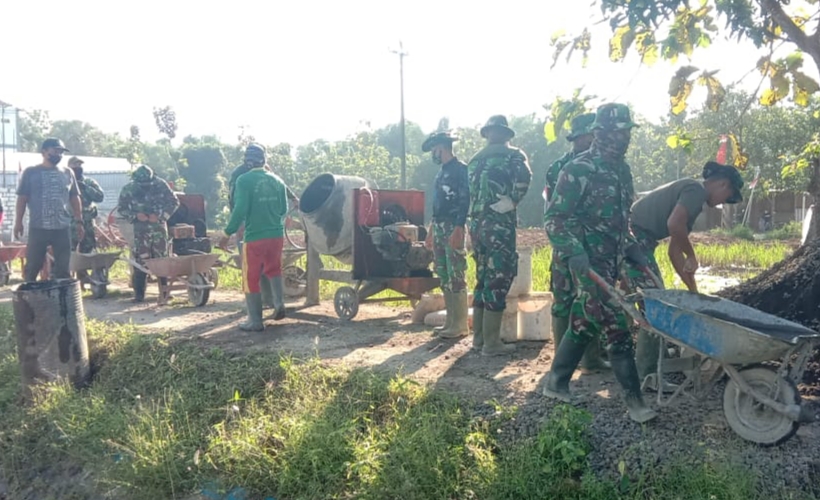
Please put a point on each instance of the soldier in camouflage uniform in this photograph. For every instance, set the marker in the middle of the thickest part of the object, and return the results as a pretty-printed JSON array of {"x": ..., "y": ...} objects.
[
  {"x": 91, "y": 193},
  {"x": 588, "y": 225},
  {"x": 561, "y": 287},
  {"x": 499, "y": 178},
  {"x": 451, "y": 200},
  {"x": 147, "y": 202}
]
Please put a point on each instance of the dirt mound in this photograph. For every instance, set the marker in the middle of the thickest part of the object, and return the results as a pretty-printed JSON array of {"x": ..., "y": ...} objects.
[{"x": 790, "y": 289}]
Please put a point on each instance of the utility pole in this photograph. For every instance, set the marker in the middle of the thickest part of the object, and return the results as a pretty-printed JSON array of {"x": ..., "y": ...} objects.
[
  {"x": 3, "y": 106},
  {"x": 401, "y": 53}
]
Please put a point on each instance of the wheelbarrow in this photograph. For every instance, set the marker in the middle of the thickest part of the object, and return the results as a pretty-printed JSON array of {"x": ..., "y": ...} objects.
[
  {"x": 764, "y": 357},
  {"x": 98, "y": 264},
  {"x": 193, "y": 270},
  {"x": 7, "y": 255}
]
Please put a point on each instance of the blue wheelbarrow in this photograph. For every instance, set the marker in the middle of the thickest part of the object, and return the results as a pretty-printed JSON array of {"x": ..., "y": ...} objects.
[{"x": 764, "y": 357}]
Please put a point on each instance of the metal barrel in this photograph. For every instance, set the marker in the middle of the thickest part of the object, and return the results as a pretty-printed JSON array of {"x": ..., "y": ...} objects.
[
  {"x": 51, "y": 338},
  {"x": 326, "y": 206}
]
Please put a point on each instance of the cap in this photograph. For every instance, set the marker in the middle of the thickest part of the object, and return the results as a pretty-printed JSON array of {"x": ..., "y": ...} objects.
[
  {"x": 613, "y": 116},
  {"x": 52, "y": 142},
  {"x": 74, "y": 160},
  {"x": 715, "y": 170},
  {"x": 437, "y": 138}
]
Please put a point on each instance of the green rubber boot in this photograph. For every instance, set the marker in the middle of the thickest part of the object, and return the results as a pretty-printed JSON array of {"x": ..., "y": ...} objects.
[
  {"x": 459, "y": 311},
  {"x": 278, "y": 289},
  {"x": 491, "y": 329},
  {"x": 254, "y": 322},
  {"x": 566, "y": 359},
  {"x": 478, "y": 328},
  {"x": 623, "y": 365},
  {"x": 559, "y": 328},
  {"x": 266, "y": 288},
  {"x": 646, "y": 359},
  {"x": 448, "y": 308}
]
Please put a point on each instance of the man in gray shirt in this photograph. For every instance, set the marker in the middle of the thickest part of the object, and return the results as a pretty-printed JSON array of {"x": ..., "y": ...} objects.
[{"x": 51, "y": 195}]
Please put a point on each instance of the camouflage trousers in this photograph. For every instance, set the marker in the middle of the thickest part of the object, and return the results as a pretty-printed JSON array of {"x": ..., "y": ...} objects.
[
  {"x": 561, "y": 286},
  {"x": 635, "y": 277},
  {"x": 592, "y": 314},
  {"x": 89, "y": 242},
  {"x": 451, "y": 265},
  {"x": 496, "y": 263},
  {"x": 150, "y": 241}
]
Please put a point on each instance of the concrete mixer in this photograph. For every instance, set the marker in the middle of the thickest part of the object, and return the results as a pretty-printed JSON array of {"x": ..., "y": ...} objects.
[{"x": 380, "y": 233}]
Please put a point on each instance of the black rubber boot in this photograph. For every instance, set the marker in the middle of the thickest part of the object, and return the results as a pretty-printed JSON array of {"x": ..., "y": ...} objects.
[
  {"x": 478, "y": 328},
  {"x": 567, "y": 357},
  {"x": 559, "y": 328},
  {"x": 646, "y": 360},
  {"x": 623, "y": 364},
  {"x": 138, "y": 283}
]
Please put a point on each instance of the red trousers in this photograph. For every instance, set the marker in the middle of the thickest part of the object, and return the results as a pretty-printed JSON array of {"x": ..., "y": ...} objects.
[{"x": 260, "y": 257}]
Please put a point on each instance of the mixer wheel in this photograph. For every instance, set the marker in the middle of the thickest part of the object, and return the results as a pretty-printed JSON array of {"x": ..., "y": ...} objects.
[{"x": 346, "y": 303}]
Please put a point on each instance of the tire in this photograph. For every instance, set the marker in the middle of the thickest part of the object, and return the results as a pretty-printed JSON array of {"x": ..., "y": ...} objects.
[
  {"x": 754, "y": 421},
  {"x": 346, "y": 303},
  {"x": 198, "y": 296}
]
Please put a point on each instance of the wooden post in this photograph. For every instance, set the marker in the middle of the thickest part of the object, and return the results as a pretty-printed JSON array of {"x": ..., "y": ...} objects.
[{"x": 314, "y": 267}]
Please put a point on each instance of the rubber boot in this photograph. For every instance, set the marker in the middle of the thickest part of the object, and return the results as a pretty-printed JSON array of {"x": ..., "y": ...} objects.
[
  {"x": 266, "y": 288},
  {"x": 478, "y": 328},
  {"x": 254, "y": 322},
  {"x": 491, "y": 330},
  {"x": 459, "y": 310},
  {"x": 646, "y": 360},
  {"x": 278, "y": 295},
  {"x": 567, "y": 357},
  {"x": 623, "y": 364},
  {"x": 592, "y": 360},
  {"x": 448, "y": 309},
  {"x": 559, "y": 328},
  {"x": 138, "y": 282}
]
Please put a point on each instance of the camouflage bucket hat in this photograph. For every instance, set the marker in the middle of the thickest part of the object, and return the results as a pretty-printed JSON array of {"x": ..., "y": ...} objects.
[
  {"x": 613, "y": 116},
  {"x": 143, "y": 173},
  {"x": 437, "y": 138},
  {"x": 499, "y": 122},
  {"x": 581, "y": 125}
]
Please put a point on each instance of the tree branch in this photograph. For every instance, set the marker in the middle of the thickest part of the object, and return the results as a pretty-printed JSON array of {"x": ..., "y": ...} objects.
[{"x": 795, "y": 34}]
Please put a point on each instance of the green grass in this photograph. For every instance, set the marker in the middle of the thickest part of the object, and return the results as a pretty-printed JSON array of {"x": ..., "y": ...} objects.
[{"x": 166, "y": 420}]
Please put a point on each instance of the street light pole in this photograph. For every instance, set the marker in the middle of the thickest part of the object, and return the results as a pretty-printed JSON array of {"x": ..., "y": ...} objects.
[
  {"x": 401, "y": 53},
  {"x": 3, "y": 107}
]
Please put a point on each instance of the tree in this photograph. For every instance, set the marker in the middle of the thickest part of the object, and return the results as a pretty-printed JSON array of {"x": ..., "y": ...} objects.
[
  {"x": 166, "y": 120},
  {"x": 202, "y": 167},
  {"x": 33, "y": 126}
]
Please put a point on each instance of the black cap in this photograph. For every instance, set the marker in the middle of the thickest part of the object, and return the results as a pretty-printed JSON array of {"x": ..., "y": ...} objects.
[
  {"x": 714, "y": 170},
  {"x": 52, "y": 142},
  {"x": 437, "y": 138}
]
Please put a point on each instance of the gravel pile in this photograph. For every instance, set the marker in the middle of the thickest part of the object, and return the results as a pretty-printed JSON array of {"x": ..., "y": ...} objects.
[{"x": 687, "y": 433}]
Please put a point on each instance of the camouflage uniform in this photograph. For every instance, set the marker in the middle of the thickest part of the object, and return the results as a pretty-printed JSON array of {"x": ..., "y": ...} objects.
[
  {"x": 495, "y": 172},
  {"x": 91, "y": 193},
  {"x": 149, "y": 195},
  {"x": 450, "y": 204}
]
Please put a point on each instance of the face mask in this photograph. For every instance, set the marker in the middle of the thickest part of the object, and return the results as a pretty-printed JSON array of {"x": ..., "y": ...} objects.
[
  {"x": 437, "y": 157},
  {"x": 55, "y": 159},
  {"x": 612, "y": 144}
]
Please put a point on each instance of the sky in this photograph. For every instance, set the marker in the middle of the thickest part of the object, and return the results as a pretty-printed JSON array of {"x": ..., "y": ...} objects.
[{"x": 298, "y": 71}]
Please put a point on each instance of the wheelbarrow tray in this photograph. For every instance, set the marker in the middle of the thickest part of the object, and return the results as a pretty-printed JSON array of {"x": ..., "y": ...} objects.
[
  {"x": 186, "y": 265},
  {"x": 11, "y": 252},
  {"x": 85, "y": 261},
  {"x": 721, "y": 329}
]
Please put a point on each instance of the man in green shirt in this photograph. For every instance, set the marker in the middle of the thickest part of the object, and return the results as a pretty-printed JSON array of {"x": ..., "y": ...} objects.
[{"x": 260, "y": 204}]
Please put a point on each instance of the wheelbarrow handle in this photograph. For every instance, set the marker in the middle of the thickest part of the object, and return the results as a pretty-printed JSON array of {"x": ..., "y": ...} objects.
[
  {"x": 647, "y": 271},
  {"x": 630, "y": 309}
]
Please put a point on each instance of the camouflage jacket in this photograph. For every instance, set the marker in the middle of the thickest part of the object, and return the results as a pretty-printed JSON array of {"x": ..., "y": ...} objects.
[
  {"x": 451, "y": 197},
  {"x": 589, "y": 210},
  {"x": 495, "y": 171},
  {"x": 553, "y": 171},
  {"x": 90, "y": 193},
  {"x": 154, "y": 197}
]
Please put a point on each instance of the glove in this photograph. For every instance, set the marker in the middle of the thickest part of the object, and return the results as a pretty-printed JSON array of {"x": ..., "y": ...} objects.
[
  {"x": 579, "y": 264},
  {"x": 503, "y": 205},
  {"x": 635, "y": 255}
]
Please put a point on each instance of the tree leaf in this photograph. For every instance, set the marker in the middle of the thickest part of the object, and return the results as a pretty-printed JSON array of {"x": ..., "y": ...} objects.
[
  {"x": 680, "y": 88},
  {"x": 768, "y": 98},
  {"x": 647, "y": 48},
  {"x": 620, "y": 42},
  {"x": 559, "y": 47},
  {"x": 672, "y": 141},
  {"x": 715, "y": 93},
  {"x": 550, "y": 131}
]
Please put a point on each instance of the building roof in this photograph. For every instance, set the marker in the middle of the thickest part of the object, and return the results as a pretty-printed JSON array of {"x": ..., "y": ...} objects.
[{"x": 92, "y": 164}]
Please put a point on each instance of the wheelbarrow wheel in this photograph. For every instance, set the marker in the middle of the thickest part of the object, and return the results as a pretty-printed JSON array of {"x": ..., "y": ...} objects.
[
  {"x": 295, "y": 281},
  {"x": 5, "y": 273},
  {"x": 198, "y": 296},
  {"x": 346, "y": 303},
  {"x": 751, "y": 419},
  {"x": 100, "y": 276}
]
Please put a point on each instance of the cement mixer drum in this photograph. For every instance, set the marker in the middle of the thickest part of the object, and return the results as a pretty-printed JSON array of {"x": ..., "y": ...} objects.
[{"x": 326, "y": 206}]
